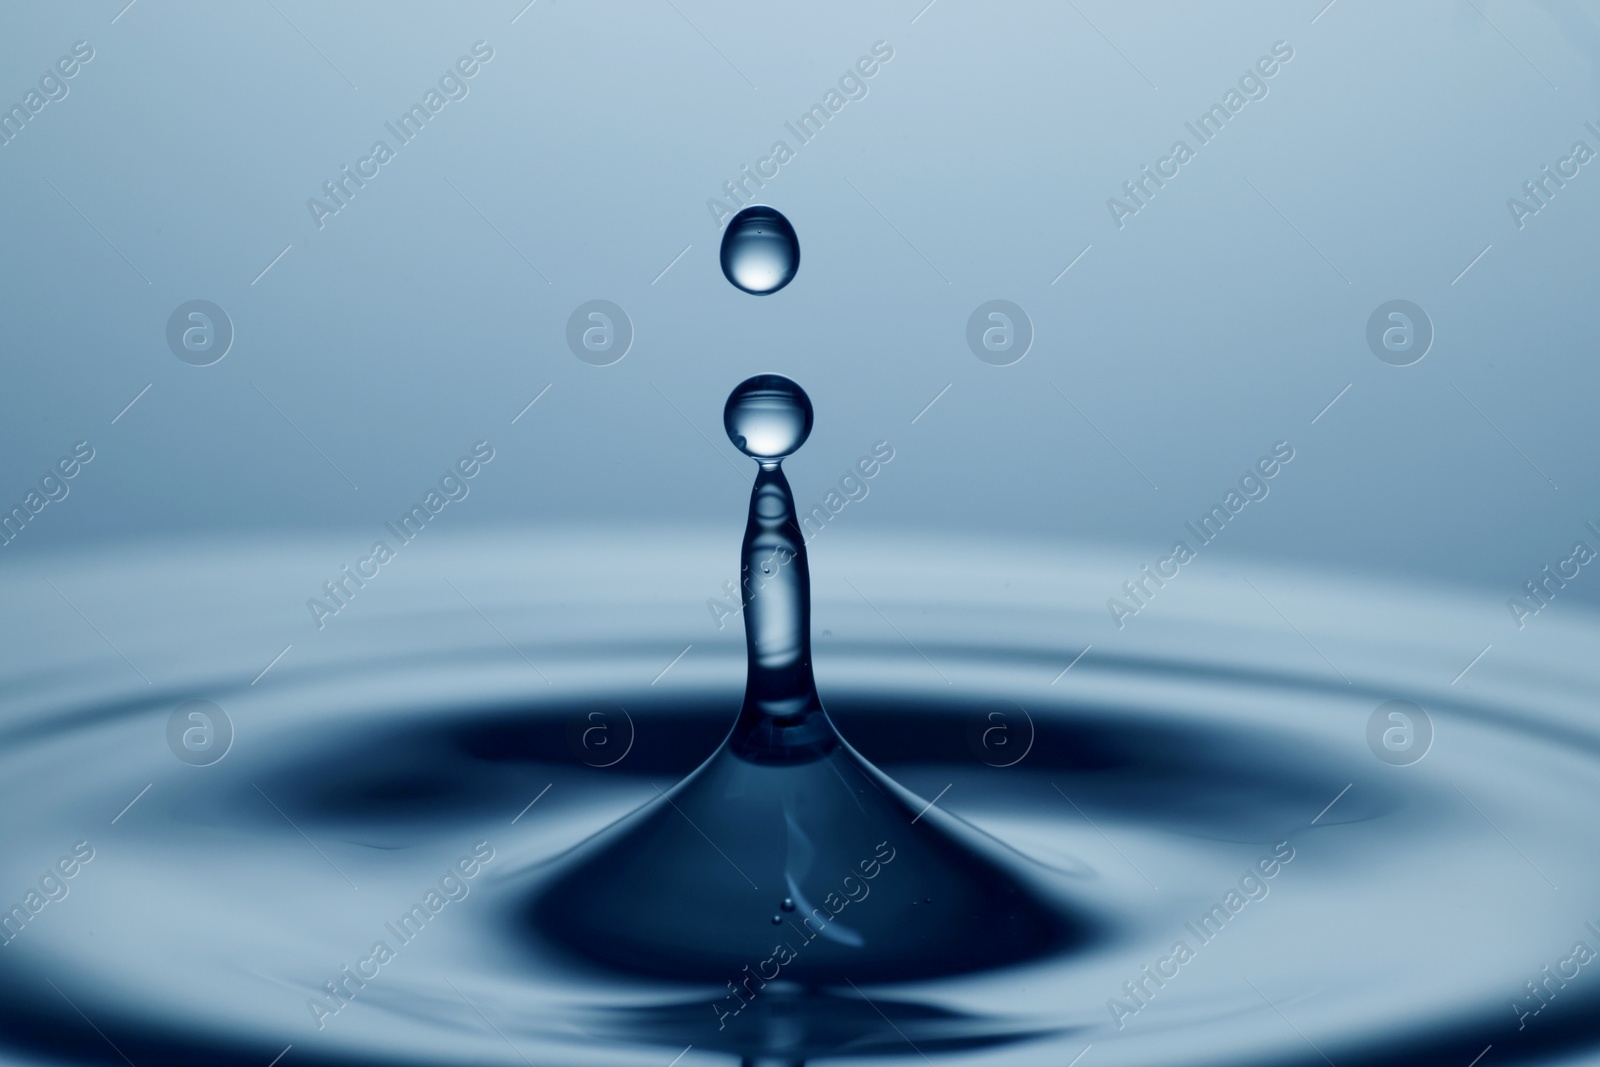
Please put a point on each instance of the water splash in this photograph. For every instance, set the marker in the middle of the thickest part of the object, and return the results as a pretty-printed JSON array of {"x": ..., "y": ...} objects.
[
  {"x": 1184, "y": 761},
  {"x": 769, "y": 417},
  {"x": 883, "y": 885},
  {"x": 760, "y": 251}
]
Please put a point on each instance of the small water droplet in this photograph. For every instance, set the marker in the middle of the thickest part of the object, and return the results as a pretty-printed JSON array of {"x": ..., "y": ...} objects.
[
  {"x": 767, "y": 417},
  {"x": 788, "y": 904},
  {"x": 777, "y": 920},
  {"x": 760, "y": 252}
]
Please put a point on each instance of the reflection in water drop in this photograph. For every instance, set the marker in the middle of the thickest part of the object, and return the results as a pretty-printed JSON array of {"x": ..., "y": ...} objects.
[
  {"x": 767, "y": 417},
  {"x": 760, "y": 252}
]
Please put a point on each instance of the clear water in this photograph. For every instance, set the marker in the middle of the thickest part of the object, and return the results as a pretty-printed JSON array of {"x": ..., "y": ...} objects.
[
  {"x": 760, "y": 250},
  {"x": 768, "y": 417},
  {"x": 786, "y": 801},
  {"x": 494, "y": 812},
  {"x": 217, "y": 905}
]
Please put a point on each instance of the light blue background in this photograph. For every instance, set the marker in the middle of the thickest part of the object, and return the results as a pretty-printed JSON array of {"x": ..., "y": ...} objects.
[{"x": 1213, "y": 325}]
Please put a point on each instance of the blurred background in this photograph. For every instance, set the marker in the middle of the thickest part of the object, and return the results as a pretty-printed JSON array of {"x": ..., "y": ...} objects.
[{"x": 368, "y": 340}]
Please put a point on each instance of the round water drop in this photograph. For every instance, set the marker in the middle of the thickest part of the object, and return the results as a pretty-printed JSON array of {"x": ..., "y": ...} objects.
[
  {"x": 767, "y": 417},
  {"x": 788, "y": 903},
  {"x": 760, "y": 252}
]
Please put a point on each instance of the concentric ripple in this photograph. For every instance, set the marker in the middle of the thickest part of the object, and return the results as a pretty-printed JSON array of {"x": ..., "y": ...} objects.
[{"x": 403, "y": 775}]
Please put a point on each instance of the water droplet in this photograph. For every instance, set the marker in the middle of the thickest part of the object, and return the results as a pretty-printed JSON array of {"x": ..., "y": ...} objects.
[
  {"x": 760, "y": 252},
  {"x": 767, "y": 417},
  {"x": 794, "y": 804}
]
